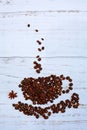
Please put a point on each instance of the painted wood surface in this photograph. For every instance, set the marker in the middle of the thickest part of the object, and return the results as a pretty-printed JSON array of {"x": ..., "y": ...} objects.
[{"x": 63, "y": 25}]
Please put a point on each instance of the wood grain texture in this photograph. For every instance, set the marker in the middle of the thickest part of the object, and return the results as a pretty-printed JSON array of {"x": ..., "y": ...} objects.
[
  {"x": 63, "y": 25},
  {"x": 28, "y": 5}
]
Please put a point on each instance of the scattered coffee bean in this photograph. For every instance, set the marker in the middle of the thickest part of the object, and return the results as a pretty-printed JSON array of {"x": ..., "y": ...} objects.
[
  {"x": 36, "y": 30},
  {"x": 39, "y": 42},
  {"x": 37, "y": 56},
  {"x": 42, "y": 39},
  {"x": 39, "y": 59},
  {"x": 43, "y": 48},
  {"x": 28, "y": 25},
  {"x": 39, "y": 49},
  {"x": 38, "y": 71}
]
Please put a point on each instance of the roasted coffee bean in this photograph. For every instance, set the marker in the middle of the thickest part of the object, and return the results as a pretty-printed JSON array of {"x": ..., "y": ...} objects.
[
  {"x": 43, "y": 48},
  {"x": 67, "y": 91},
  {"x": 28, "y": 25},
  {"x": 39, "y": 42},
  {"x": 42, "y": 39},
  {"x": 39, "y": 59},
  {"x": 36, "y": 30}
]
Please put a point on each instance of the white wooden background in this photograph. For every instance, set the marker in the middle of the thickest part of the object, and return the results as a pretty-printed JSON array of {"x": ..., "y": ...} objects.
[{"x": 63, "y": 25}]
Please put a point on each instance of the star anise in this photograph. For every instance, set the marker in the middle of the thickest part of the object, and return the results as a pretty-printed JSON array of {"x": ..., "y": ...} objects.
[{"x": 12, "y": 95}]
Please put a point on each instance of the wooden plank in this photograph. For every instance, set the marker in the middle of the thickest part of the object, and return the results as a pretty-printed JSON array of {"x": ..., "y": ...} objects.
[
  {"x": 25, "y": 5},
  {"x": 64, "y": 34},
  {"x": 17, "y": 68}
]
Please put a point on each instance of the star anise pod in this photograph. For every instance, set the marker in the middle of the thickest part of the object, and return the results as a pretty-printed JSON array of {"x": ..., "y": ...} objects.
[{"x": 12, "y": 95}]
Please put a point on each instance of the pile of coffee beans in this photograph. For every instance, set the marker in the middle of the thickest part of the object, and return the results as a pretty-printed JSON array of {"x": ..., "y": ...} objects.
[{"x": 44, "y": 89}]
